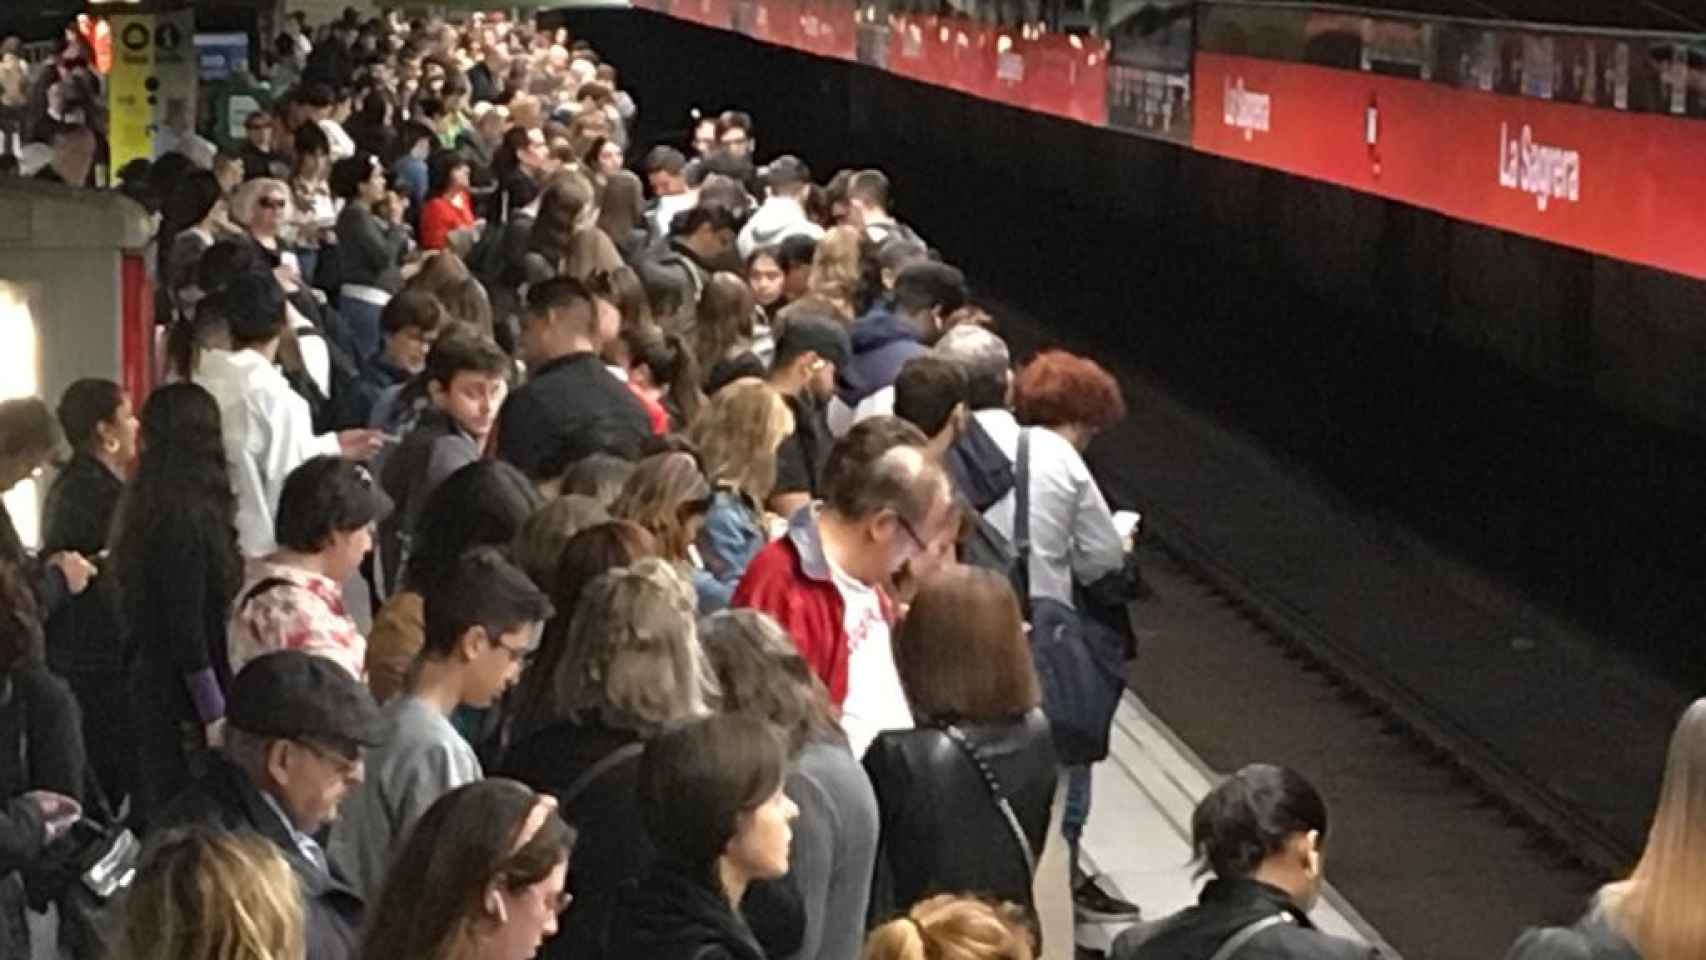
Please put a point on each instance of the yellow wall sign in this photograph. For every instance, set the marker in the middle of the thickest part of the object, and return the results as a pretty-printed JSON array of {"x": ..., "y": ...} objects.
[{"x": 154, "y": 75}]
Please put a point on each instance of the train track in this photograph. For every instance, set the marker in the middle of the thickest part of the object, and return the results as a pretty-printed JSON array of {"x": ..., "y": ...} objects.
[{"x": 1581, "y": 838}]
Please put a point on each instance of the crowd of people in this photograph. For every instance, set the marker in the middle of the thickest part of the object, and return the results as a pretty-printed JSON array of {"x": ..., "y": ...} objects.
[{"x": 543, "y": 541}]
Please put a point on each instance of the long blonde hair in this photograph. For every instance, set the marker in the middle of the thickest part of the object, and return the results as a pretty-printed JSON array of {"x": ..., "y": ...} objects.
[
  {"x": 835, "y": 269},
  {"x": 206, "y": 895},
  {"x": 949, "y": 927},
  {"x": 1659, "y": 907},
  {"x": 737, "y": 435}
]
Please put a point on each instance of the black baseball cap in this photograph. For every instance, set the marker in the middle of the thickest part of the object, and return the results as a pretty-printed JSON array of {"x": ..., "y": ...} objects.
[
  {"x": 295, "y": 695},
  {"x": 810, "y": 334}
]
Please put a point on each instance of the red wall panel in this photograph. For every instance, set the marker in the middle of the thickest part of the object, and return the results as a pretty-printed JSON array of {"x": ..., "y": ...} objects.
[{"x": 1625, "y": 185}]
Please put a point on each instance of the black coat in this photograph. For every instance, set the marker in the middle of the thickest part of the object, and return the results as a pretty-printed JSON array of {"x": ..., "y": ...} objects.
[
  {"x": 613, "y": 849},
  {"x": 1224, "y": 908},
  {"x": 227, "y": 799},
  {"x": 570, "y": 407},
  {"x": 46, "y": 583},
  {"x": 941, "y": 831},
  {"x": 1592, "y": 938},
  {"x": 83, "y": 634},
  {"x": 672, "y": 916}
]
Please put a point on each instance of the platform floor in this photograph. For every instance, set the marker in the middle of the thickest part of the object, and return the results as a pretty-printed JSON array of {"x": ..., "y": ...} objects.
[{"x": 1139, "y": 831}]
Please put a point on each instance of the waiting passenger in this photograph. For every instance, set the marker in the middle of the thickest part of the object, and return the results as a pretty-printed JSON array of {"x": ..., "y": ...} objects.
[
  {"x": 29, "y": 439},
  {"x": 484, "y": 504},
  {"x": 1655, "y": 913},
  {"x": 409, "y": 324},
  {"x": 480, "y": 877},
  {"x": 949, "y": 927},
  {"x": 177, "y": 566},
  {"x": 570, "y": 396},
  {"x": 467, "y": 379},
  {"x": 292, "y": 751},
  {"x": 795, "y": 256},
  {"x": 711, "y": 797},
  {"x": 868, "y": 209},
  {"x": 293, "y": 599},
  {"x": 84, "y": 638},
  {"x": 981, "y": 750},
  {"x": 765, "y": 276},
  {"x": 699, "y": 240},
  {"x": 600, "y": 476},
  {"x": 723, "y": 332},
  {"x": 808, "y": 354},
  {"x": 626, "y": 668},
  {"x": 1263, "y": 834},
  {"x": 538, "y": 548},
  {"x": 1075, "y": 549},
  {"x": 371, "y": 242},
  {"x": 737, "y": 439},
  {"x": 267, "y": 426},
  {"x": 884, "y": 502},
  {"x": 930, "y": 393},
  {"x": 478, "y": 634},
  {"x": 925, "y": 296},
  {"x": 205, "y": 895},
  {"x": 664, "y": 375},
  {"x": 668, "y": 496},
  {"x": 834, "y": 848},
  {"x": 787, "y": 180}
]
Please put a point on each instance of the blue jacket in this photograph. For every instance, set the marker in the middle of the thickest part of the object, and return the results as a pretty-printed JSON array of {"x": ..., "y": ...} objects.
[
  {"x": 882, "y": 343},
  {"x": 731, "y": 537}
]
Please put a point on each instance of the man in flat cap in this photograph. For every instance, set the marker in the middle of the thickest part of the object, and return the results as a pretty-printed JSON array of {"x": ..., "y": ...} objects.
[{"x": 295, "y": 726}]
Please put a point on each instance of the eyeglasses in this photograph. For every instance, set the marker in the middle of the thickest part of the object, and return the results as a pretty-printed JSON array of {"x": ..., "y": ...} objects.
[
  {"x": 911, "y": 530},
  {"x": 519, "y": 654},
  {"x": 271, "y": 203},
  {"x": 344, "y": 758}
]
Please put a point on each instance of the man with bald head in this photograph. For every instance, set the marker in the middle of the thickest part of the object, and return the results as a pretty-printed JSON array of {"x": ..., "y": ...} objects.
[{"x": 886, "y": 504}]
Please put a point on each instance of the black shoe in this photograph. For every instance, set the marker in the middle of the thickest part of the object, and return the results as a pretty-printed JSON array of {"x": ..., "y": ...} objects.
[{"x": 1093, "y": 902}]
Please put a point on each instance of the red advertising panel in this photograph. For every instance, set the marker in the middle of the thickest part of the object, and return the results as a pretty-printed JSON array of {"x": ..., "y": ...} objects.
[
  {"x": 1625, "y": 185},
  {"x": 827, "y": 28},
  {"x": 1066, "y": 75}
]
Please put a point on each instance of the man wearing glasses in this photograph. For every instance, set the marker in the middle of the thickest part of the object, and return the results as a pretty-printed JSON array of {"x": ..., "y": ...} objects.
[
  {"x": 886, "y": 505},
  {"x": 295, "y": 728},
  {"x": 259, "y": 157},
  {"x": 478, "y": 634}
]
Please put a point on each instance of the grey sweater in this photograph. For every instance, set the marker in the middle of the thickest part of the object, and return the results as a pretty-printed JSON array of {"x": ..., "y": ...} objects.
[{"x": 834, "y": 849}]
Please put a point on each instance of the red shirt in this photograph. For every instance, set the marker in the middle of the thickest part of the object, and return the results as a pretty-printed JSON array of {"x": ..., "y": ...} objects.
[{"x": 442, "y": 214}]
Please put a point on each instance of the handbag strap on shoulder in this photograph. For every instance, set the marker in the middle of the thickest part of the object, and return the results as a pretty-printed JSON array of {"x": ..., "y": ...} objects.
[
  {"x": 995, "y": 792},
  {"x": 1245, "y": 934}
]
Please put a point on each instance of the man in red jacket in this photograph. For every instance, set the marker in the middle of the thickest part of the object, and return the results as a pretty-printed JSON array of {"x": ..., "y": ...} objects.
[{"x": 885, "y": 503}]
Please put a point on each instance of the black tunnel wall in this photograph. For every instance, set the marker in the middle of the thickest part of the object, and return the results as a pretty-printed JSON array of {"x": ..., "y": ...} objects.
[{"x": 1129, "y": 235}]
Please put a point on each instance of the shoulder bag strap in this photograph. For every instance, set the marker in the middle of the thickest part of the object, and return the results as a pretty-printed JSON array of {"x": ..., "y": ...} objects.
[
  {"x": 590, "y": 775},
  {"x": 954, "y": 733},
  {"x": 261, "y": 586},
  {"x": 1022, "y": 512},
  {"x": 1237, "y": 941}
]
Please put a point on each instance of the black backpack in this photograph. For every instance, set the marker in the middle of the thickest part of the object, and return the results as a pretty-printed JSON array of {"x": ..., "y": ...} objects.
[{"x": 347, "y": 401}]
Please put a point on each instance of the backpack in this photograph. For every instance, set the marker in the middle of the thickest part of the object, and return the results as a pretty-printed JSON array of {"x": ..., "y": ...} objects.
[{"x": 346, "y": 403}]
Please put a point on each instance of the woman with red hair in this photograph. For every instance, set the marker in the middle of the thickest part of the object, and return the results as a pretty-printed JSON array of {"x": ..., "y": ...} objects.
[{"x": 1066, "y": 400}]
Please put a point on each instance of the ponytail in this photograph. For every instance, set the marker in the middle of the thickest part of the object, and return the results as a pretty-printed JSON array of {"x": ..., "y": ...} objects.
[
  {"x": 1250, "y": 816},
  {"x": 948, "y": 927}
]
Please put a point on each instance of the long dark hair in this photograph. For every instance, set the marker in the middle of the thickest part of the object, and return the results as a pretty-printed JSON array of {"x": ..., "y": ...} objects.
[
  {"x": 696, "y": 781},
  {"x": 484, "y": 504},
  {"x": 187, "y": 202},
  {"x": 182, "y": 484},
  {"x": 567, "y": 195},
  {"x": 471, "y": 838},
  {"x": 440, "y": 166}
]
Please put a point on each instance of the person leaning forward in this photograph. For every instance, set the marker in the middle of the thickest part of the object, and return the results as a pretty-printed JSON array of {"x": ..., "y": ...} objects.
[{"x": 295, "y": 727}]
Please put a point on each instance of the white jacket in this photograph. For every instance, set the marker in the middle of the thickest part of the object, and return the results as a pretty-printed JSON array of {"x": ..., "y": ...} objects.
[
  {"x": 268, "y": 432},
  {"x": 776, "y": 220}
]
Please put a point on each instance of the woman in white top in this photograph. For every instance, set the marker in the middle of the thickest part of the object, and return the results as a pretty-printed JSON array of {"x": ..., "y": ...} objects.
[{"x": 1067, "y": 400}]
